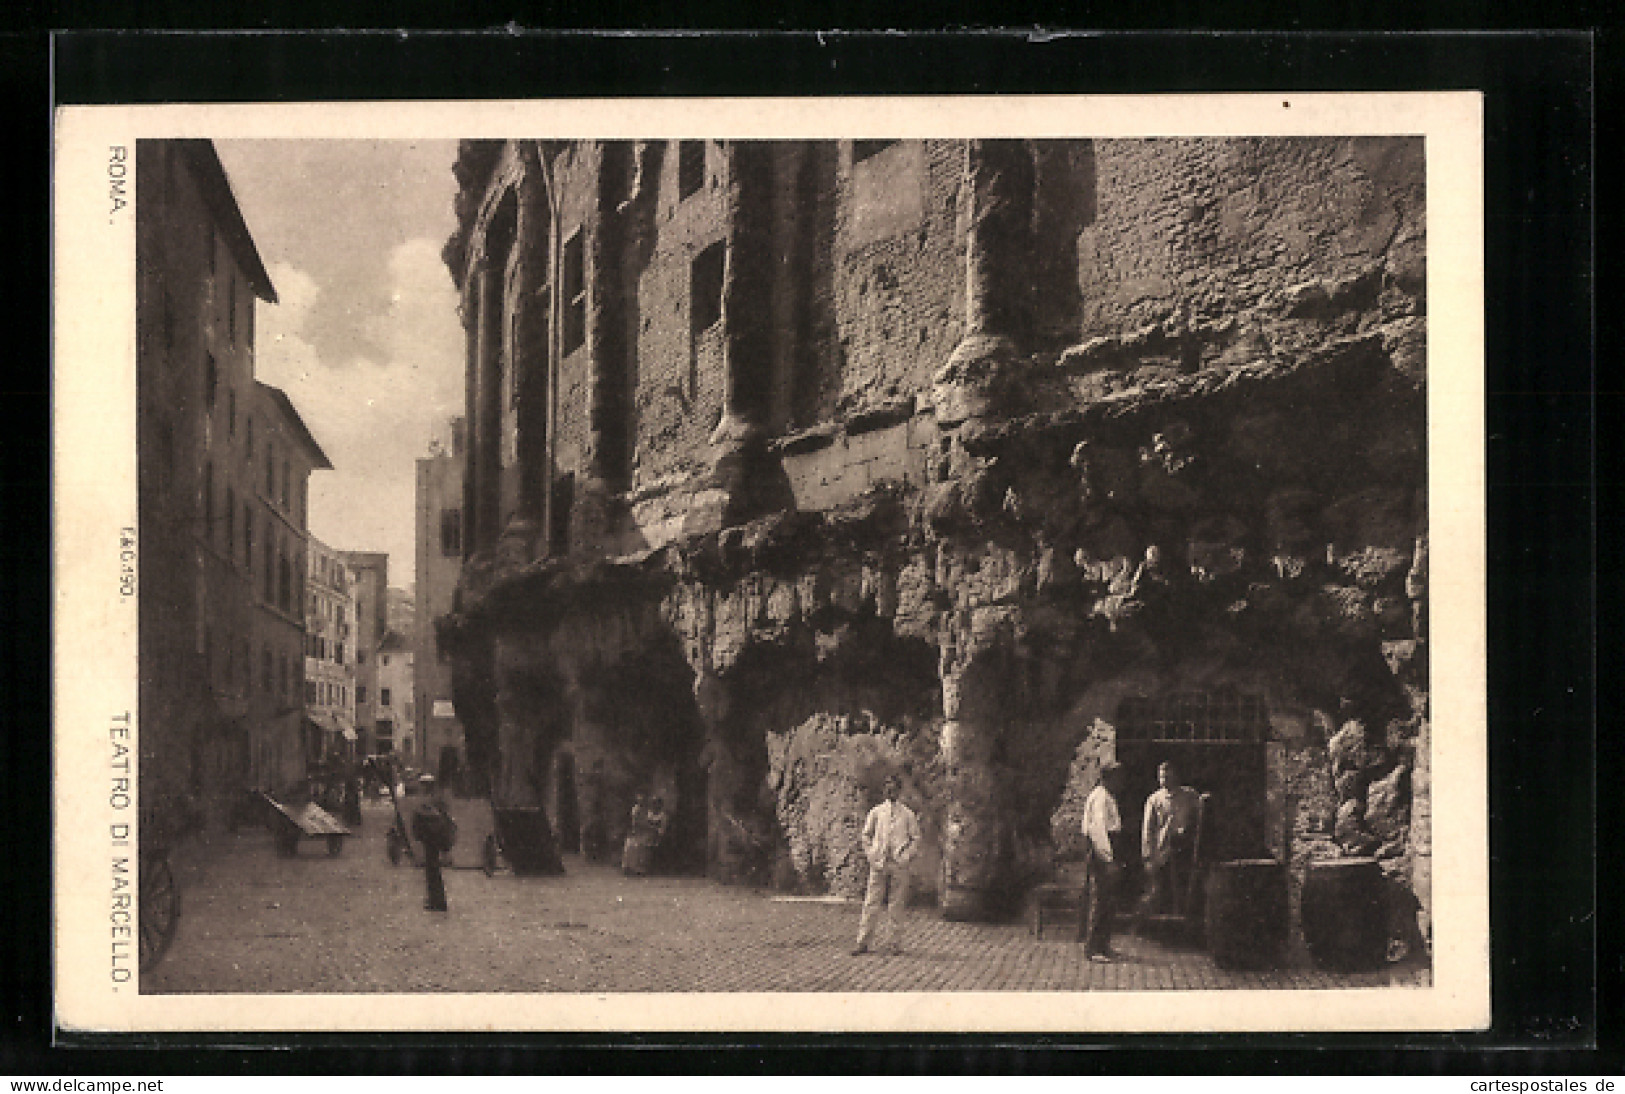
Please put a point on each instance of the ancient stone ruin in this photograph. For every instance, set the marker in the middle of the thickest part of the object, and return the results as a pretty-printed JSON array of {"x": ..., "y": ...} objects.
[{"x": 798, "y": 464}]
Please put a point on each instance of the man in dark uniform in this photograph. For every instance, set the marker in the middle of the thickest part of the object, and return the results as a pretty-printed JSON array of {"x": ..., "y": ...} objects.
[{"x": 433, "y": 827}]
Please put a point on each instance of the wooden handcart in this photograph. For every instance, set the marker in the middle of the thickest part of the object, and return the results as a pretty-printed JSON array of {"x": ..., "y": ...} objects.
[{"x": 291, "y": 824}]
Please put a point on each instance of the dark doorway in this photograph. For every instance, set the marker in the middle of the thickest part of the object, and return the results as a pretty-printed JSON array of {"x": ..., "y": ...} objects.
[
  {"x": 1216, "y": 740},
  {"x": 683, "y": 851},
  {"x": 1233, "y": 773},
  {"x": 566, "y": 811}
]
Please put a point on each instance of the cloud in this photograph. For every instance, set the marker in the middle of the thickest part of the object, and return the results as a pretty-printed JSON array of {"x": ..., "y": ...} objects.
[
  {"x": 374, "y": 416},
  {"x": 296, "y": 293},
  {"x": 418, "y": 325}
]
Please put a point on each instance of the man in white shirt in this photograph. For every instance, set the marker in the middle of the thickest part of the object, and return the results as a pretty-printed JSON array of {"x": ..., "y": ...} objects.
[
  {"x": 891, "y": 838},
  {"x": 1103, "y": 831}
]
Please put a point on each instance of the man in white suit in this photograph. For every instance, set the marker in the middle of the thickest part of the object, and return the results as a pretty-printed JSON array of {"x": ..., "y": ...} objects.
[{"x": 891, "y": 838}]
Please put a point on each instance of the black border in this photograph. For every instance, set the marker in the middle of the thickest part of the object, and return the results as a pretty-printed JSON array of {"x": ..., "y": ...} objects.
[{"x": 1540, "y": 405}]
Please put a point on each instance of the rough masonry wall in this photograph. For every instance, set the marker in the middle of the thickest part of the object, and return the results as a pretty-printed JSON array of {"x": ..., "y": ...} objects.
[
  {"x": 678, "y": 400},
  {"x": 576, "y": 177},
  {"x": 1220, "y": 486},
  {"x": 899, "y": 281},
  {"x": 1209, "y": 237}
]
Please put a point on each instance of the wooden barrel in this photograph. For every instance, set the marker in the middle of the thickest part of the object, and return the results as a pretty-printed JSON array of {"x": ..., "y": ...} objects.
[
  {"x": 1247, "y": 913},
  {"x": 527, "y": 840},
  {"x": 1345, "y": 925}
]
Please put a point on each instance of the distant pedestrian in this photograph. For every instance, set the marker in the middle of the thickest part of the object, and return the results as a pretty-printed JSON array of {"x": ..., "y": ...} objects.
[
  {"x": 433, "y": 827},
  {"x": 636, "y": 852},
  {"x": 655, "y": 821},
  {"x": 352, "y": 800},
  {"x": 1173, "y": 814},
  {"x": 891, "y": 838},
  {"x": 1103, "y": 831}
]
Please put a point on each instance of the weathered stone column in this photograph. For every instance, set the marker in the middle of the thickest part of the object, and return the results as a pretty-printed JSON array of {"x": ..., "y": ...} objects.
[
  {"x": 487, "y": 429},
  {"x": 527, "y": 732},
  {"x": 998, "y": 202},
  {"x": 724, "y": 776},
  {"x": 738, "y": 444},
  {"x": 608, "y": 455},
  {"x": 973, "y": 707},
  {"x": 532, "y": 349}
]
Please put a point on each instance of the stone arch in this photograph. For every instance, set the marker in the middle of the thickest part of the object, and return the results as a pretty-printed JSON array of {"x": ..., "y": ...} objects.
[{"x": 637, "y": 730}]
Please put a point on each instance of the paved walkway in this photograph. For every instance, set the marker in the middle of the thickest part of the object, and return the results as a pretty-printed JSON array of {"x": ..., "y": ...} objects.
[{"x": 255, "y": 922}]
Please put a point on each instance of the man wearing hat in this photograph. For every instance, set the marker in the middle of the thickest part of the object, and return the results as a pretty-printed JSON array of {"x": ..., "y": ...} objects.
[
  {"x": 1103, "y": 832},
  {"x": 433, "y": 827}
]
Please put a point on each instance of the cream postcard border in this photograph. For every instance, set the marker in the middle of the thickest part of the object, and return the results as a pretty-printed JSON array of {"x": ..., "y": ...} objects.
[{"x": 95, "y": 499}]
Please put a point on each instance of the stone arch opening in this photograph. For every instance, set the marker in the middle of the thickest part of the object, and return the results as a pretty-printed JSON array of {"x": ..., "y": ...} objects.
[
  {"x": 818, "y": 721},
  {"x": 639, "y": 732}
]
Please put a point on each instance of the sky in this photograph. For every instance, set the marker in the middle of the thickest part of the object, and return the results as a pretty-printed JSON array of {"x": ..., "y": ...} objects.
[{"x": 365, "y": 339}]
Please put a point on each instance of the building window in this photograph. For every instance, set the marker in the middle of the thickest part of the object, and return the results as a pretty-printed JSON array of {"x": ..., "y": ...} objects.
[
  {"x": 248, "y": 667},
  {"x": 249, "y": 438},
  {"x": 385, "y": 661},
  {"x": 248, "y": 539},
  {"x": 705, "y": 286},
  {"x": 231, "y": 308},
  {"x": 361, "y": 694},
  {"x": 575, "y": 292},
  {"x": 270, "y": 471},
  {"x": 287, "y": 478},
  {"x": 310, "y": 693},
  {"x": 211, "y": 380},
  {"x": 231, "y": 412},
  {"x": 383, "y": 697},
  {"x": 267, "y": 681},
  {"x": 690, "y": 168},
  {"x": 862, "y": 150},
  {"x": 270, "y": 567},
  {"x": 451, "y": 532},
  {"x": 1194, "y": 716}
]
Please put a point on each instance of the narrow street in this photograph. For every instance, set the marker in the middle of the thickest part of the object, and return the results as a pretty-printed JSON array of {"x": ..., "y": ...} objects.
[{"x": 255, "y": 922}]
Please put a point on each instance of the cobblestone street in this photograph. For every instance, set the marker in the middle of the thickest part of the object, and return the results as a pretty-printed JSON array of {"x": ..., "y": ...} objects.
[{"x": 256, "y": 922}]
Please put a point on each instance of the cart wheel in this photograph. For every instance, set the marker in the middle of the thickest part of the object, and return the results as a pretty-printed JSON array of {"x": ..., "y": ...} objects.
[
  {"x": 392, "y": 843},
  {"x": 335, "y": 844},
  {"x": 160, "y": 912},
  {"x": 488, "y": 859}
]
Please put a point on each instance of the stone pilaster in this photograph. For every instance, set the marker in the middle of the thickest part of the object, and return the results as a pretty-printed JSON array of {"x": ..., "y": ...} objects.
[
  {"x": 486, "y": 454},
  {"x": 997, "y": 195},
  {"x": 738, "y": 445},
  {"x": 527, "y": 732},
  {"x": 525, "y": 735},
  {"x": 725, "y": 777},
  {"x": 973, "y": 708}
]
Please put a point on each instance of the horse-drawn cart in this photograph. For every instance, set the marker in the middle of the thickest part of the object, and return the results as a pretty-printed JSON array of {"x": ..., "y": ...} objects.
[{"x": 290, "y": 824}]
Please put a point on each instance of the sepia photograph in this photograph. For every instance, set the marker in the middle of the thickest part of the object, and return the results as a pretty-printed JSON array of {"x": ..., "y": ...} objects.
[{"x": 651, "y": 575}]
